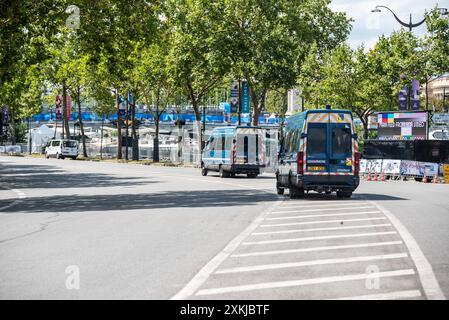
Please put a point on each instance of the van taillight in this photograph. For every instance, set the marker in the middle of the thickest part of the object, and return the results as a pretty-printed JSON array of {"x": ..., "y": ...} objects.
[
  {"x": 300, "y": 163},
  {"x": 357, "y": 156}
]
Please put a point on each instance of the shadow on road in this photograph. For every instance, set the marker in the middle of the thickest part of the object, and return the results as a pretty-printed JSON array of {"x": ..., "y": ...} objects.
[
  {"x": 162, "y": 200},
  {"x": 53, "y": 177}
]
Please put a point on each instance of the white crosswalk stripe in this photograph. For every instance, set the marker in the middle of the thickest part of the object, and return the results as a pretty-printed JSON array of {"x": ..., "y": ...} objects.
[
  {"x": 348, "y": 244},
  {"x": 321, "y": 229}
]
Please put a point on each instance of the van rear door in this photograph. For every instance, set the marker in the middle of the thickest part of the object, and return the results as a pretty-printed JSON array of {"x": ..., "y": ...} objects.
[
  {"x": 316, "y": 149},
  {"x": 250, "y": 146},
  {"x": 340, "y": 147}
]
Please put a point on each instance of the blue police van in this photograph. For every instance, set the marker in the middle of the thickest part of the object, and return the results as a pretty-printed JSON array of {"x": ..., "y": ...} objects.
[
  {"x": 319, "y": 152},
  {"x": 234, "y": 150}
]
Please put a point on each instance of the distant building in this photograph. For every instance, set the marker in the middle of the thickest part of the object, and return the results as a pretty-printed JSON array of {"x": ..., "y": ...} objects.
[
  {"x": 438, "y": 91},
  {"x": 293, "y": 101}
]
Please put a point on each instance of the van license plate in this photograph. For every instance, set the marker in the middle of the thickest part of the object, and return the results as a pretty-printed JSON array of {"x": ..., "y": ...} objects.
[{"x": 316, "y": 168}]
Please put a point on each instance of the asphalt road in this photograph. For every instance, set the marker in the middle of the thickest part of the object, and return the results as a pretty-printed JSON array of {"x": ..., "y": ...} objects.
[{"x": 147, "y": 232}]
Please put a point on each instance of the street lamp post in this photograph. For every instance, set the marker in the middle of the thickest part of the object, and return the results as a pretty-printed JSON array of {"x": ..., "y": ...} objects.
[{"x": 410, "y": 26}]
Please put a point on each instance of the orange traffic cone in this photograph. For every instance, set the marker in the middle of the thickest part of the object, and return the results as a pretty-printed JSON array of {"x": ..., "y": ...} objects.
[
  {"x": 383, "y": 176},
  {"x": 424, "y": 179},
  {"x": 435, "y": 179},
  {"x": 375, "y": 176},
  {"x": 369, "y": 175}
]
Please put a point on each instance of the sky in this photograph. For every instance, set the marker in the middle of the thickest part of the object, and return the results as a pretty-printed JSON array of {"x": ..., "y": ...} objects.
[{"x": 368, "y": 26}]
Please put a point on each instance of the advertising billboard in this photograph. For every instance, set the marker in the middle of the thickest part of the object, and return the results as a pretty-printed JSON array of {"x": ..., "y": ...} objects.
[{"x": 402, "y": 125}]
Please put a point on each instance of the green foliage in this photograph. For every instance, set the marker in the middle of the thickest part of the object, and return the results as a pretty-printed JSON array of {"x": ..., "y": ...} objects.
[
  {"x": 187, "y": 51},
  {"x": 277, "y": 102},
  {"x": 271, "y": 38}
]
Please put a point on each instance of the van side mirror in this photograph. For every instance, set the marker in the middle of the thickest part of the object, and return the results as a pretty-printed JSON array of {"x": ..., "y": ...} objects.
[
  {"x": 303, "y": 135},
  {"x": 355, "y": 136}
]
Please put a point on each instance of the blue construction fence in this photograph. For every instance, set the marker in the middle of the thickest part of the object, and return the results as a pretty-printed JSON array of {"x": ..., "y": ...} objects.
[{"x": 165, "y": 117}]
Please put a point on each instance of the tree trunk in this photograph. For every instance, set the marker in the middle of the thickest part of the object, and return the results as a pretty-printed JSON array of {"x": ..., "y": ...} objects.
[
  {"x": 198, "y": 132},
  {"x": 127, "y": 130},
  {"x": 365, "y": 131},
  {"x": 156, "y": 139},
  {"x": 80, "y": 120},
  {"x": 427, "y": 94},
  {"x": 64, "y": 111},
  {"x": 12, "y": 126},
  {"x": 101, "y": 141},
  {"x": 255, "y": 104},
  {"x": 258, "y": 103},
  {"x": 119, "y": 128},
  {"x": 135, "y": 150}
]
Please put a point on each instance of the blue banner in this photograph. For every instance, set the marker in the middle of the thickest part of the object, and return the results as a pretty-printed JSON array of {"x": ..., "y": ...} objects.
[
  {"x": 234, "y": 96},
  {"x": 415, "y": 95},
  {"x": 245, "y": 97}
]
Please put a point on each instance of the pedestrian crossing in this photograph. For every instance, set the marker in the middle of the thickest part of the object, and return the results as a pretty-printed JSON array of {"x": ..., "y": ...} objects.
[{"x": 316, "y": 249}]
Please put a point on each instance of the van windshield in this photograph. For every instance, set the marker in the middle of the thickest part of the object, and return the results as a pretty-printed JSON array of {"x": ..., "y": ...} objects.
[{"x": 69, "y": 144}]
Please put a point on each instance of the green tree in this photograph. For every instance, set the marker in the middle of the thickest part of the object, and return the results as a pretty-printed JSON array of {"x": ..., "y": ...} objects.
[
  {"x": 277, "y": 103},
  {"x": 198, "y": 56},
  {"x": 154, "y": 83},
  {"x": 270, "y": 40}
]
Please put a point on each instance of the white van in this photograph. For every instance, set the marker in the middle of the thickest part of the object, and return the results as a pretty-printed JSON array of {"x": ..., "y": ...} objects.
[{"x": 61, "y": 148}]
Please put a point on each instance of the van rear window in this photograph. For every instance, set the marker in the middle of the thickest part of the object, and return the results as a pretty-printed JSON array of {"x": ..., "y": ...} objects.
[
  {"x": 341, "y": 140},
  {"x": 69, "y": 144},
  {"x": 316, "y": 140}
]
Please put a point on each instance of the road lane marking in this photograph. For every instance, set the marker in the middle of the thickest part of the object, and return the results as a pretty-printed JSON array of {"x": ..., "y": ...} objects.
[
  {"x": 323, "y": 215},
  {"x": 325, "y": 209},
  {"x": 320, "y": 222},
  {"x": 303, "y": 282},
  {"x": 386, "y": 296},
  {"x": 198, "y": 280},
  {"x": 321, "y": 229},
  {"x": 312, "y": 263},
  {"x": 20, "y": 196},
  {"x": 429, "y": 282},
  {"x": 294, "y": 202},
  {"x": 340, "y": 236},
  {"x": 348, "y": 246},
  {"x": 322, "y": 205}
]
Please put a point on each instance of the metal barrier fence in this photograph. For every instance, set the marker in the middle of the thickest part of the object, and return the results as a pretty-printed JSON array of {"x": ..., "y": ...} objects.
[
  {"x": 180, "y": 147},
  {"x": 390, "y": 169}
]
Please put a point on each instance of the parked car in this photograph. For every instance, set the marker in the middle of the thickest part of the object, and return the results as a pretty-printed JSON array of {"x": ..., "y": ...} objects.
[
  {"x": 234, "y": 150},
  {"x": 319, "y": 152},
  {"x": 61, "y": 148}
]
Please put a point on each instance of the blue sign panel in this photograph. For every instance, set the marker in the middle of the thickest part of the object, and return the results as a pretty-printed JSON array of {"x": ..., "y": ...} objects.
[{"x": 245, "y": 97}]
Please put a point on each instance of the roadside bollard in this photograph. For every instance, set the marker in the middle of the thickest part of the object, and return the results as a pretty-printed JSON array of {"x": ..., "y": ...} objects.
[
  {"x": 424, "y": 179},
  {"x": 369, "y": 175},
  {"x": 435, "y": 179},
  {"x": 375, "y": 176}
]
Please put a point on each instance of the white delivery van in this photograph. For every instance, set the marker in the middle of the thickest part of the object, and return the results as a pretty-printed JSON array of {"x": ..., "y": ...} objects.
[{"x": 61, "y": 148}]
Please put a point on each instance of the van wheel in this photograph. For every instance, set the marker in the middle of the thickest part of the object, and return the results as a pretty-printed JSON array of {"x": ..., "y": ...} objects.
[
  {"x": 279, "y": 189},
  {"x": 47, "y": 155},
  {"x": 203, "y": 171},
  {"x": 296, "y": 193},
  {"x": 222, "y": 173},
  {"x": 344, "y": 194},
  {"x": 58, "y": 156}
]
